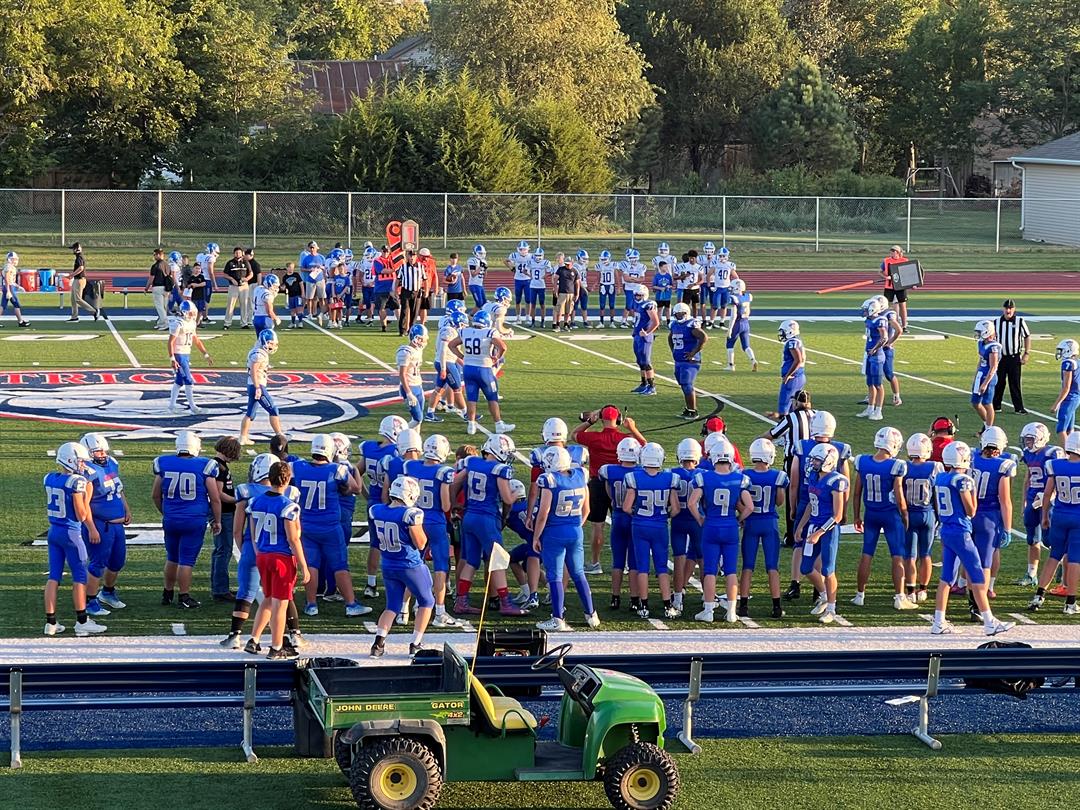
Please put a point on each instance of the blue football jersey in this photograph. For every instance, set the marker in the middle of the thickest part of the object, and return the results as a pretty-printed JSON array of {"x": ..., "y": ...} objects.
[
  {"x": 643, "y": 319},
  {"x": 106, "y": 502},
  {"x": 515, "y": 521},
  {"x": 614, "y": 478},
  {"x": 321, "y": 487},
  {"x": 60, "y": 488},
  {"x": 988, "y": 348},
  {"x": 183, "y": 485},
  {"x": 372, "y": 452},
  {"x": 390, "y": 467},
  {"x": 1071, "y": 366},
  {"x": 821, "y": 491},
  {"x": 431, "y": 478},
  {"x": 787, "y": 362},
  {"x": 391, "y": 525},
  {"x": 947, "y": 489},
  {"x": 878, "y": 479},
  {"x": 579, "y": 456},
  {"x": 763, "y": 487},
  {"x": 919, "y": 485},
  {"x": 987, "y": 473},
  {"x": 267, "y": 514},
  {"x": 652, "y": 494},
  {"x": 1066, "y": 485},
  {"x": 568, "y": 494},
  {"x": 802, "y": 450},
  {"x": 683, "y": 340},
  {"x": 874, "y": 328},
  {"x": 720, "y": 493},
  {"x": 1036, "y": 464},
  {"x": 482, "y": 484},
  {"x": 684, "y": 483}
]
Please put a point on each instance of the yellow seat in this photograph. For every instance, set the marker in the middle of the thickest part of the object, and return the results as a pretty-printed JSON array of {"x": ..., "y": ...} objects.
[{"x": 501, "y": 712}]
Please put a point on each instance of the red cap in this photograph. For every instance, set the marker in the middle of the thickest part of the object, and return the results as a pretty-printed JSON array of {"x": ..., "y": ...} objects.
[
  {"x": 943, "y": 423},
  {"x": 714, "y": 425},
  {"x": 609, "y": 413}
]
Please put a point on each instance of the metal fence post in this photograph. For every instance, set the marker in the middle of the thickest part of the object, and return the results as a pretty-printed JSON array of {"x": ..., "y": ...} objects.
[
  {"x": 723, "y": 219},
  {"x": 817, "y": 224},
  {"x": 632, "y": 220},
  {"x": 445, "y": 218},
  {"x": 159, "y": 208},
  {"x": 539, "y": 215},
  {"x": 997, "y": 229},
  {"x": 63, "y": 218},
  {"x": 254, "y": 218},
  {"x": 348, "y": 214},
  {"x": 908, "y": 245}
]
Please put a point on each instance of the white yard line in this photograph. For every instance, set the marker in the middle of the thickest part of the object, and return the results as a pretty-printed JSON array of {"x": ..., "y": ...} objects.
[
  {"x": 179, "y": 629},
  {"x": 355, "y": 348},
  {"x": 1022, "y": 619},
  {"x": 746, "y": 620},
  {"x": 966, "y": 337},
  {"x": 371, "y": 627},
  {"x": 659, "y": 625},
  {"x": 123, "y": 345},
  {"x": 840, "y": 620}
]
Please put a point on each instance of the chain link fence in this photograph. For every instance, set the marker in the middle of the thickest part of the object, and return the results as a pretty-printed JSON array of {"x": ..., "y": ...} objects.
[{"x": 285, "y": 221}]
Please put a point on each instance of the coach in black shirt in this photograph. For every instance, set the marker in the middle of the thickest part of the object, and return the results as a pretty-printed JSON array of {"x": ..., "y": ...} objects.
[
  {"x": 157, "y": 283},
  {"x": 1015, "y": 337},
  {"x": 238, "y": 272},
  {"x": 78, "y": 284}
]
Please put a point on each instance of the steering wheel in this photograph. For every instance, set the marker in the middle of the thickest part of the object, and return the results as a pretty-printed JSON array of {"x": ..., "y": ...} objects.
[{"x": 553, "y": 659}]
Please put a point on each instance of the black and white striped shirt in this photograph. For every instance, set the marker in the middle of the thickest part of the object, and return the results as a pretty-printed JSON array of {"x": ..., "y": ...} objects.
[
  {"x": 410, "y": 277},
  {"x": 1011, "y": 332},
  {"x": 791, "y": 430}
]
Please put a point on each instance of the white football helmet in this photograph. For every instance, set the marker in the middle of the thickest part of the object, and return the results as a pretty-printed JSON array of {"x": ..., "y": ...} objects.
[
  {"x": 1072, "y": 443},
  {"x": 824, "y": 458},
  {"x": 994, "y": 437},
  {"x": 1067, "y": 349},
  {"x": 409, "y": 441},
  {"x": 688, "y": 450},
  {"x": 518, "y": 490},
  {"x": 712, "y": 440},
  {"x": 322, "y": 444},
  {"x": 1034, "y": 436},
  {"x": 984, "y": 330},
  {"x": 641, "y": 293},
  {"x": 919, "y": 446},
  {"x": 188, "y": 441},
  {"x": 260, "y": 467},
  {"x": 956, "y": 455},
  {"x": 391, "y": 426},
  {"x": 436, "y": 447},
  {"x": 342, "y": 447},
  {"x": 556, "y": 459},
  {"x": 788, "y": 329},
  {"x": 709, "y": 248},
  {"x": 500, "y": 446},
  {"x": 662, "y": 249},
  {"x": 95, "y": 443},
  {"x": 823, "y": 423},
  {"x": 889, "y": 439},
  {"x": 652, "y": 456},
  {"x": 763, "y": 450},
  {"x": 722, "y": 451},
  {"x": 872, "y": 307},
  {"x": 404, "y": 488},
  {"x": 680, "y": 311},
  {"x": 72, "y": 456},
  {"x": 738, "y": 286},
  {"x": 628, "y": 450},
  {"x": 555, "y": 430}
]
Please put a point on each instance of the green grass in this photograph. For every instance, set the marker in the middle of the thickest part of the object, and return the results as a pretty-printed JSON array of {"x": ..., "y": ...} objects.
[
  {"x": 1016, "y": 771},
  {"x": 544, "y": 379}
]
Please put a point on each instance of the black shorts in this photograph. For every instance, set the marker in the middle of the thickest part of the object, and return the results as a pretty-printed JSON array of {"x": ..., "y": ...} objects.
[
  {"x": 899, "y": 296},
  {"x": 691, "y": 296},
  {"x": 599, "y": 502},
  {"x": 380, "y": 299},
  {"x": 423, "y": 301},
  {"x": 455, "y": 296}
]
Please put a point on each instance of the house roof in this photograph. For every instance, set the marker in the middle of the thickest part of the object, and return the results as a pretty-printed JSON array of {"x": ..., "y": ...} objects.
[
  {"x": 1064, "y": 151},
  {"x": 406, "y": 48},
  {"x": 335, "y": 83}
]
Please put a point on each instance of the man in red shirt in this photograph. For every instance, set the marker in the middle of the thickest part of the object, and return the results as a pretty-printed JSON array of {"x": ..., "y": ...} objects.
[
  {"x": 941, "y": 434},
  {"x": 897, "y": 298},
  {"x": 602, "y": 445},
  {"x": 716, "y": 424}
]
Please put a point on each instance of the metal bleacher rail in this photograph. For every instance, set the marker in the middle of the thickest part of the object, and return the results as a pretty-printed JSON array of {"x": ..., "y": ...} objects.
[
  {"x": 106, "y": 219},
  {"x": 914, "y": 675}
]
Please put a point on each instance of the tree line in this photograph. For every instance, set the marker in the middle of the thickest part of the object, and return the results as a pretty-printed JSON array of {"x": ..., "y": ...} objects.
[{"x": 565, "y": 95}]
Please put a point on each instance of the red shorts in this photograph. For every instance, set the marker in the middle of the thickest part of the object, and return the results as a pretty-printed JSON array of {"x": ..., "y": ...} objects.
[{"x": 277, "y": 573}]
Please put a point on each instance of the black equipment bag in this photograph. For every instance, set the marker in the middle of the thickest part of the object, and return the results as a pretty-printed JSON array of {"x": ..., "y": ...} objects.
[{"x": 1014, "y": 687}]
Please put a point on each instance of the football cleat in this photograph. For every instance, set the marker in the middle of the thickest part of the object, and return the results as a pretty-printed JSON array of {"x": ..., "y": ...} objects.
[
  {"x": 356, "y": 609},
  {"x": 1036, "y": 603},
  {"x": 311, "y": 609},
  {"x": 54, "y": 629},
  {"x": 188, "y": 603},
  {"x": 371, "y": 592},
  {"x": 89, "y": 628},
  {"x": 444, "y": 620},
  {"x": 554, "y": 625},
  {"x": 943, "y": 629},
  {"x": 902, "y": 602},
  {"x": 820, "y": 606},
  {"x": 1071, "y": 609},
  {"x": 593, "y": 620},
  {"x": 705, "y": 615},
  {"x": 378, "y": 647},
  {"x": 998, "y": 627}
]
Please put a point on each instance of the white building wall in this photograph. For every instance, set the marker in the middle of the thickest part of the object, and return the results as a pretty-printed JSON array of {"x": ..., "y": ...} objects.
[{"x": 1052, "y": 203}]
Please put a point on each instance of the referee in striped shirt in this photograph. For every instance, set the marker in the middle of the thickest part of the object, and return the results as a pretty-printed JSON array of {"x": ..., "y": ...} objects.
[
  {"x": 792, "y": 428},
  {"x": 1015, "y": 337},
  {"x": 410, "y": 285}
]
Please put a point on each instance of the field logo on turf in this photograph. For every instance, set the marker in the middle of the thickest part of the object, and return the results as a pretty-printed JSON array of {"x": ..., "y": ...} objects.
[{"x": 133, "y": 403}]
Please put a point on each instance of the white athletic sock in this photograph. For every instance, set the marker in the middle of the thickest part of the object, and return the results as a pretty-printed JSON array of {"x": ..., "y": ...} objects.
[
  {"x": 189, "y": 392},
  {"x": 830, "y": 607},
  {"x": 961, "y": 582},
  {"x": 173, "y": 395},
  {"x": 988, "y": 618},
  {"x": 440, "y": 610},
  {"x": 731, "y": 611},
  {"x": 731, "y": 357},
  {"x": 939, "y": 617},
  {"x": 371, "y": 580},
  {"x": 1033, "y": 569},
  {"x": 992, "y": 581},
  {"x": 417, "y": 637},
  {"x": 750, "y": 355},
  {"x": 676, "y": 599}
]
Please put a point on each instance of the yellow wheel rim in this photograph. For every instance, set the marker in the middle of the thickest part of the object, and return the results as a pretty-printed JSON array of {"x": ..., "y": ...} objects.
[
  {"x": 398, "y": 782},
  {"x": 643, "y": 784}
]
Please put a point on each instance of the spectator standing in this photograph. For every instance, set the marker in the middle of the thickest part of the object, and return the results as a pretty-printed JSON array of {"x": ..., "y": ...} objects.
[
  {"x": 453, "y": 275},
  {"x": 78, "y": 284},
  {"x": 602, "y": 447},
  {"x": 157, "y": 283},
  {"x": 383, "y": 270},
  {"x": 897, "y": 298},
  {"x": 313, "y": 268},
  {"x": 1015, "y": 337},
  {"x": 226, "y": 452},
  {"x": 409, "y": 283},
  {"x": 197, "y": 291},
  {"x": 430, "y": 287},
  {"x": 238, "y": 275}
]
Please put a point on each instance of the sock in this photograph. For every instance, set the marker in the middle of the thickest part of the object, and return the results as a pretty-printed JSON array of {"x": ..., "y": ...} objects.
[
  {"x": 1033, "y": 569},
  {"x": 857, "y": 593},
  {"x": 677, "y": 598},
  {"x": 776, "y": 602},
  {"x": 1040, "y": 591},
  {"x": 830, "y": 607},
  {"x": 988, "y": 618},
  {"x": 961, "y": 582},
  {"x": 939, "y": 617},
  {"x": 275, "y": 647},
  {"x": 91, "y": 597},
  {"x": 992, "y": 581},
  {"x": 440, "y": 610},
  {"x": 167, "y": 592},
  {"x": 381, "y": 634},
  {"x": 173, "y": 395},
  {"x": 50, "y": 618},
  {"x": 910, "y": 589},
  {"x": 794, "y": 583},
  {"x": 750, "y": 355},
  {"x": 185, "y": 596},
  {"x": 292, "y": 617},
  {"x": 731, "y": 357},
  {"x": 371, "y": 580},
  {"x": 80, "y": 616},
  {"x": 109, "y": 590},
  {"x": 731, "y": 611},
  {"x": 504, "y": 593},
  {"x": 1070, "y": 600},
  {"x": 189, "y": 392},
  {"x": 417, "y": 638},
  {"x": 644, "y": 381},
  {"x": 237, "y": 623}
]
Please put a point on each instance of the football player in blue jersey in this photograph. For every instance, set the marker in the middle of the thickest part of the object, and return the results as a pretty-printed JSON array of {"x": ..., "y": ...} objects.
[
  {"x": 922, "y": 517},
  {"x": 274, "y": 521},
  {"x": 554, "y": 433},
  {"x": 448, "y": 368},
  {"x": 719, "y": 502},
  {"x": 792, "y": 367},
  {"x": 820, "y": 525},
  {"x": 685, "y": 531},
  {"x": 879, "y": 498},
  {"x": 371, "y": 454},
  {"x": 111, "y": 513},
  {"x": 982, "y": 387},
  {"x": 1035, "y": 441},
  {"x": 480, "y": 347},
  {"x": 1068, "y": 399},
  {"x": 895, "y": 331},
  {"x": 651, "y": 499},
  {"x": 399, "y": 526},
  {"x": 185, "y": 492},
  {"x": 739, "y": 302},
  {"x": 391, "y": 467},
  {"x": 327, "y": 586},
  {"x": 686, "y": 340},
  {"x": 954, "y": 490},
  {"x": 67, "y": 506},
  {"x": 623, "y": 557},
  {"x": 434, "y": 478},
  {"x": 1062, "y": 523},
  {"x": 877, "y": 336},
  {"x": 485, "y": 480},
  {"x": 562, "y": 506},
  {"x": 258, "y": 365},
  {"x": 322, "y": 482},
  {"x": 992, "y": 471},
  {"x": 527, "y": 572},
  {"x": 646, "y": 322},
  {"x": 477, "y": 269},
  {"x": 761, "y": 528}
]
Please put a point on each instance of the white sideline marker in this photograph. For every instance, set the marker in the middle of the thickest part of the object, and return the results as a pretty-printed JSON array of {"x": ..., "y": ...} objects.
[
  {"x": 947, "y": 362},
  {"x": 659, "y": 625},
  {"x": 926, "y": 617},
  {"x": 1020, "y": 617},
  {"x": 750, "y": 623},
  {"x": 840, "y": 620},
  {"x": 371, "y": 627},
  {"x": 178, "y": 629}
]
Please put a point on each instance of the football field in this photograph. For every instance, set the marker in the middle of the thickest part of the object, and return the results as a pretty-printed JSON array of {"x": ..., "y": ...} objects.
[{"x": 58, "y": 380}]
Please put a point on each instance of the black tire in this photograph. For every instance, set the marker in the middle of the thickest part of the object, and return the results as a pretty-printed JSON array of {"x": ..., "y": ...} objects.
[
  {"x": 641, "y": 776},
  {"x": 342, "y": 754},
  {"x": 395, "y": 773}
]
